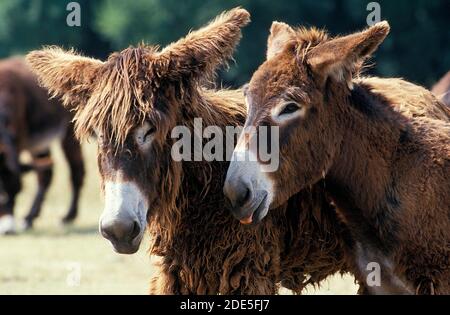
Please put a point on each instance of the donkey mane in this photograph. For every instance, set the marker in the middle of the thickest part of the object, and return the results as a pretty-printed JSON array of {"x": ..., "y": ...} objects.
[{"x": 220, "y": 107}]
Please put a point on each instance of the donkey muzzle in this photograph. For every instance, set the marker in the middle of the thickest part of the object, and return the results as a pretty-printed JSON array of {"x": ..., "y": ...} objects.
[
  {"x": 124, "y": 218},
  {"x": 122, "y": 233},
  {"x": 247, "y": 204}
]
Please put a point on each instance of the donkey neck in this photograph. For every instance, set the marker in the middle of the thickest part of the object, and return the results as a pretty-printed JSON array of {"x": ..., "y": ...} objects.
[
  {"x": 221, "y": 108},
  {"x": 199, "y": 197},
  {"x": 360, "y": 177}
]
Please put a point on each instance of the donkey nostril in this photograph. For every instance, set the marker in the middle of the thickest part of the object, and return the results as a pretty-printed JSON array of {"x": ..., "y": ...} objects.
[
  {"x": 238, "y": 192},
  {"x": 244, "y": 197},
  {"x": 136, "y": 230},
  {"x": 108, "y": 233},
  {"x": 120, "y": 230}
]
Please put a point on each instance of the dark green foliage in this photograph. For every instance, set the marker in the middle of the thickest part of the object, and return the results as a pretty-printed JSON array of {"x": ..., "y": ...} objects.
[{"x": 417, "y": 49}]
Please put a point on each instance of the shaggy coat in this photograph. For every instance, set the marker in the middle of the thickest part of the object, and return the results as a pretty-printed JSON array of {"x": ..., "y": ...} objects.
[
  {"x": 202, "y": 249},
  {"x": 29, "y": 122},
  {"x": 382, "y": 146}
]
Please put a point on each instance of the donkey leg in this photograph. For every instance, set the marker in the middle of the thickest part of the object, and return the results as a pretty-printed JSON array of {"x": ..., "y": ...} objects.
[
  {"x": 44, "y": 169},
  {"x": 72, "y": 151},
  {"x": 8, "y": 194},
  {"x": 7, "y": 224}
]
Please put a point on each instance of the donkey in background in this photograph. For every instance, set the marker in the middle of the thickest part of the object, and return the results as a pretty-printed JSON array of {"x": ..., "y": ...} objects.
[
  {"x": 132, "y": 101},
  {"x": 381, "y": 145},
  {"x": 29, "y": 121}
]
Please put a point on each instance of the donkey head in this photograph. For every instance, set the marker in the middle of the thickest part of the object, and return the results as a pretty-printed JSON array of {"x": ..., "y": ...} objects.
[
  {"x": 292, "y": 89},
  {"x": 131, "y": 102}
]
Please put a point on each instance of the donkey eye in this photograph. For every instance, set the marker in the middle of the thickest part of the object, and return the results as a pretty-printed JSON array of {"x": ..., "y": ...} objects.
[
  {"x": 289, "y": 108},
  {"x": 149, "y": 132}
]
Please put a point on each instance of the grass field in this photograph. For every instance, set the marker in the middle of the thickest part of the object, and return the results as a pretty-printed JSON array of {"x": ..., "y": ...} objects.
[{"x": 53, "y": 259}]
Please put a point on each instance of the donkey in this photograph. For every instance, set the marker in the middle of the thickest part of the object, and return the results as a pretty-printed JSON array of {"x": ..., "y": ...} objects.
[
  {"x": 442, "y": 89},
  {"x": 29, "y": 121},
  {"x": 131, "y": 102},
  {"x": 382, "y": 146}
]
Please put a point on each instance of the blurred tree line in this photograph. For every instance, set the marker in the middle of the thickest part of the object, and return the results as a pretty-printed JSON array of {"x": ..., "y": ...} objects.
[{"x": 418, "y": 47}]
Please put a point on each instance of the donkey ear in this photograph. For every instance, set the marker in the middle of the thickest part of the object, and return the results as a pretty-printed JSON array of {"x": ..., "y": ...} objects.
[
  {"x": 280, "y": 35},
  {"x": 340, "y": 56},
  {"x": 64, "y": 73},
  {"x": 202, "y": 51}
]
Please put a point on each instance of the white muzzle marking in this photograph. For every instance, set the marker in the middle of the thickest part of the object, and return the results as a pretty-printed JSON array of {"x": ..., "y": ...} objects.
[
  {"x": 124, "y": 199},
  {"x": 248, "y": 166}
]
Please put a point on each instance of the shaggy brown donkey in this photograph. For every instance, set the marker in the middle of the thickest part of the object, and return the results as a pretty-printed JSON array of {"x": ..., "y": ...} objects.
[
  {"x": 385, "y": 162},
  {"x": 442, "y": 89},
  {"x": 133, "y": 101},
  {"x": 29, "y": 122}
]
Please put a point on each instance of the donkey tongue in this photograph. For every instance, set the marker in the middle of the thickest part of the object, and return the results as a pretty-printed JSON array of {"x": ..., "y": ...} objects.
[{"x": 247, "y": 220}]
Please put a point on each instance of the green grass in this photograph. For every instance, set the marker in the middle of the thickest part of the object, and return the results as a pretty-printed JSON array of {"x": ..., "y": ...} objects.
[{"x": 52, "y": 258}]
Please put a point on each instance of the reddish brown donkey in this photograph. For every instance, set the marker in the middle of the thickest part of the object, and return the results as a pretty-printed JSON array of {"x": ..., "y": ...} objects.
[
  {"x": 29, "y": 121},
  {"x": 384, "y": 158}
]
